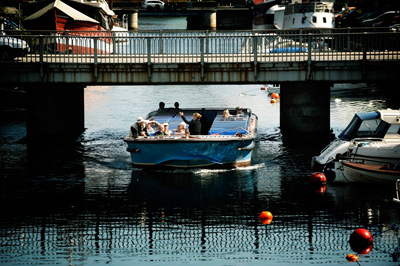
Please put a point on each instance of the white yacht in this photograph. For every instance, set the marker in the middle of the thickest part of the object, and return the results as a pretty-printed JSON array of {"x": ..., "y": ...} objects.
[{"x": 372, "y": 138}]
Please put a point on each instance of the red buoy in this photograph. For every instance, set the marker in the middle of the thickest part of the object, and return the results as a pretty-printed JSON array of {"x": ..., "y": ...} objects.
[
  {"x": 266, "y": 217},
  {"x": 275, "y": 96},
  {"x": 318, "y": 177},
  {"x": 263, "y": 88},
  {"x": 273, "y": 101},
  {"x": 361, "y": 236},
  {"x": 352, "y": 258}
]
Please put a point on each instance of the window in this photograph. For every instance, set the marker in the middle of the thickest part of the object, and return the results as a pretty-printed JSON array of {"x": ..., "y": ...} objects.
[
  {"x": 314, "y": 19},
  {"x": 303, "y": 20},
  {"x": 293, "y": 21},
  {"x": 324, "y": 19}
]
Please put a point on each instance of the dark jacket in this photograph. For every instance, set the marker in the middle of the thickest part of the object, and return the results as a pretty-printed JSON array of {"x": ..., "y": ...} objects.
[
  {"x": 194, "y": 126},
  {"x": 136, "y": 129}
]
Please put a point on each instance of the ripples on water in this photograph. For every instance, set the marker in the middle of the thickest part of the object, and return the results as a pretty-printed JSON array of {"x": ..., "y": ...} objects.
[{"x": 86, "y": 204}]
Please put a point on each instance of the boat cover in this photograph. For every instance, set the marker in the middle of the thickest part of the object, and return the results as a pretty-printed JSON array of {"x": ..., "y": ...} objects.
[{"x": 354, "y": 125}]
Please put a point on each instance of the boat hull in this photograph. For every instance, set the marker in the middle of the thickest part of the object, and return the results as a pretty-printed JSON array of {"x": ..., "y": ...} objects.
[
  {"x": 191, "y": 153},
  {"x": 348, "y": 172}
]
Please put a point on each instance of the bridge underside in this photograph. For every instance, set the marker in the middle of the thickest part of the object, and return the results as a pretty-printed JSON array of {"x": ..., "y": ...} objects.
[
  {"x": 195, "y": 73},
  {"x": 56, "y": 104}
]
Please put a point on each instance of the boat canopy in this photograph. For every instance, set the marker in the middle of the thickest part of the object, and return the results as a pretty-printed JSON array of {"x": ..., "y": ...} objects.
[{"x": 365, "y": 125}]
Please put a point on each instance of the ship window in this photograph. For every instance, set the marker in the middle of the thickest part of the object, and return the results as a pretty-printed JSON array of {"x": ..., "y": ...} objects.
[
  {"x": 324, "y": 19},
  {"x": 314, "y": 19},
  {"x": 303, "y": 20},
  {"x": 293, "y": 21}
]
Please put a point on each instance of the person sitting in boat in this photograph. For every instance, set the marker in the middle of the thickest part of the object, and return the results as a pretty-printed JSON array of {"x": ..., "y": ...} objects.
[
  {"x": 167, "y": 132},
  {"x": 181, "y": 129},
  {"x": 226, "y": 116},
  {"x": 239, "y": 113},
  {"x": 160, "y": 131},
  {"x": 138, "y": 129},
  {"x": 154, "y": 124},
  {"x": 194, "y": 125},
  {"x": 149, "y": 128}
]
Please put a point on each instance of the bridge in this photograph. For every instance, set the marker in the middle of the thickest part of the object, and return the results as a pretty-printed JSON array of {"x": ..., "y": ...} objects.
[{"x": 58, "y": 68}]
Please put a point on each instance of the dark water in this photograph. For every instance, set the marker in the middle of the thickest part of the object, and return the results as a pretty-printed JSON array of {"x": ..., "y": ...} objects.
[{"x": 86, "y": 204}]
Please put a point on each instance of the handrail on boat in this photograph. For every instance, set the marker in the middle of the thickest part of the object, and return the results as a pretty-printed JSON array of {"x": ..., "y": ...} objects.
[{"x": 397, "y": 200}]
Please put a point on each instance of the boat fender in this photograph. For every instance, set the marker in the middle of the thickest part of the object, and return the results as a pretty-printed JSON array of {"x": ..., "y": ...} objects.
[
  {"x": 266, "y": 217},
  {"x": 248, "y": 148},
  {"x": 133, "y": 150},
  {"x": 263, "y": 88},
  {"x": 361, "y": 236},
  {"x": 273, "y": 101}
]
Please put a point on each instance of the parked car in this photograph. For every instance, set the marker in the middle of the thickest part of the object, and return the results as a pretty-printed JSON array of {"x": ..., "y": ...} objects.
[
  {"x": 339, "y": 15},
  {"x": 11, "y": 47},
  {"x": 388, "y": 21},
  {"x": 350, "y": 19},
  {"x": 153, "y": 4},
  {"x": 369, "y": 22}
]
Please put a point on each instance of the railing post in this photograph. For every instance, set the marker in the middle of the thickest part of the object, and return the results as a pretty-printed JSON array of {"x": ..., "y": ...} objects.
[
  {"x": 309, "y": 57},
  {"x": 148, "y": 39},
  {"x": 207, "y": 40},
  {"x": 160, "y": 47},
  {"x": 301, "y": 41},
  {"x": 202, "y": 44},
  {"x": 95, "y": 56},
  {"x": 66, "y": 43},
  {"x": 41, "y": 56},
  {"x": 255, "y": 55}
]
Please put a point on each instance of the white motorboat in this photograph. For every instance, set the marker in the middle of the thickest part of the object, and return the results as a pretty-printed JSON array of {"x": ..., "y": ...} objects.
[
  {"x": 371, "y": 137},
  {"x": 351, "y": 172}
]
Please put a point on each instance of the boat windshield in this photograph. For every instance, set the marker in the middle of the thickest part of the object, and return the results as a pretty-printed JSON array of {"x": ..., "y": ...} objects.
[{"x": 365, "y": 125}]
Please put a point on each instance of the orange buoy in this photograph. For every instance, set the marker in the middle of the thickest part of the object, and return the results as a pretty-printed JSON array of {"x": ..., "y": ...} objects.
[
  {"x": 273, "y": 101},
  {"x": 318, "y": 177},
  {"x": 361, "y": 236},
  {"x": 266, "y": 215},
  {"x": 263, "y": 88},
  {"x": 266, "y": 221},
  {"x": 275, "y": 96},
  {"x": 352, "y": 258}
]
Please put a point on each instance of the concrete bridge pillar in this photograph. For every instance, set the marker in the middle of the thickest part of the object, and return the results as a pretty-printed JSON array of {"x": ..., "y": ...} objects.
[
  {"x": 133, "y": 20},
  {"x": 305, "y": 111},
  {"x": 55, "y": 111}
]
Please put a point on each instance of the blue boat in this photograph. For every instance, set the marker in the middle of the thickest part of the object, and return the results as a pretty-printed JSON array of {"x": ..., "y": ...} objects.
[{"x": 222, "y": 144}]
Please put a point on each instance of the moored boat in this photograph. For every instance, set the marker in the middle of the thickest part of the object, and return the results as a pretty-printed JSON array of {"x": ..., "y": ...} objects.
[
  {"x": 352, "y": 172},
  {"x": 68, "y": 18},
  {"x": 373, "y": 137},
  {"x": 221, "y": 144}
]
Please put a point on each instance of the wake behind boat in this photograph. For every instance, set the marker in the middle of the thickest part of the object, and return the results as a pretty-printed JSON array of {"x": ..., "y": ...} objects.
[{"x": 223, "y": 143}]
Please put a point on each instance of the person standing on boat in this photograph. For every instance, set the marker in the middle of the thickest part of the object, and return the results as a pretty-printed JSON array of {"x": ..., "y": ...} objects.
[
  {"x": 138, "y": 129},
  {"x": 239, "y": 111},
  {"x": 176, "y": 107},
  {"x": 161, "y": 107},
  {"x": 194, "y": 125}
]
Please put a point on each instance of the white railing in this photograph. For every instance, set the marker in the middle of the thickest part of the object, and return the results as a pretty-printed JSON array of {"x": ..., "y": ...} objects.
[{"x": 207, "y": 47}]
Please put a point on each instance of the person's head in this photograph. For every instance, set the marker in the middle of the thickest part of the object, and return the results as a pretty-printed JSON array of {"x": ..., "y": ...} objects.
[
  {"x": 140, "y": 121},
  {"x": 225, "y": 113},
  {"x": 165, "y": 126},
  {"x": 161, "y": 128},
  {"x": 238, "y": 110},
  {"x": 181, "y": 127},
  {"x": 161, "y": 105},
  {"x": 196, "y": 116},
  {"x": 152, "y": 122},
  {"x": 176, "y": 104}
]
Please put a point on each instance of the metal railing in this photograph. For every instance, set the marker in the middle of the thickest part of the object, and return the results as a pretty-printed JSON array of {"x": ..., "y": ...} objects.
[{"x": 160, "y": 47}]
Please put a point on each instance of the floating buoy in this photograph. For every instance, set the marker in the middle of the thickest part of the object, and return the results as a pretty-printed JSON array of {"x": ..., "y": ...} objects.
[
  {"x": 352, "y": 258},
  {"x": 318, "y": 177},
  {"x": 361, "y": 236},
  {"x": 263, "y": 88},
  {"x": 361, "y": 248},
  {"x": 266, "y": 215},
  {"x": 275, "y": 96},
  {"x": 273, "y": 101}
]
